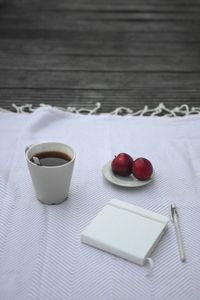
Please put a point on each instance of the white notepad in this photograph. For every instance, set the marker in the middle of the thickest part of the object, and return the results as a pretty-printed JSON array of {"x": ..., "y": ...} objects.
[{"x": 125, "y": 230}]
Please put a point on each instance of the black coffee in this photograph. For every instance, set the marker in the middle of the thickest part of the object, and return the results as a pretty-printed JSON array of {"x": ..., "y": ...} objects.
[{"x": 51, "y": 158}]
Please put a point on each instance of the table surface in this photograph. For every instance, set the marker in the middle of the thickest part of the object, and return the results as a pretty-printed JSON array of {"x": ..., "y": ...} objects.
[{"x": 118, "y": 52}]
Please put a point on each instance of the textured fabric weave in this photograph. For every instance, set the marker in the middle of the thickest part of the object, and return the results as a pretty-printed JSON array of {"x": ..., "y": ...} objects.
[{"x": 41, "y": 256}]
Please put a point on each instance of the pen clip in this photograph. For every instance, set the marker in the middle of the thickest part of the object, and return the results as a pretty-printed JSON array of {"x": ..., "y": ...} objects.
[{"x": 173, "y": 211}]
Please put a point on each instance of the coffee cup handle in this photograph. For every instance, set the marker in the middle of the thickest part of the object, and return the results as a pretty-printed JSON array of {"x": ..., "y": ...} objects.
[{"x": 28, "y": 147}]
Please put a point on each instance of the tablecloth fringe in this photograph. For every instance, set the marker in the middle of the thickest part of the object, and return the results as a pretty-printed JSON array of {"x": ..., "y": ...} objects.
[{"x": 160, "y": 110}]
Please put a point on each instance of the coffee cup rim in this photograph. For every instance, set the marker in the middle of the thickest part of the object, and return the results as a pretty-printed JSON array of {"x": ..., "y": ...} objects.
[{"x": 29, "y": 147}]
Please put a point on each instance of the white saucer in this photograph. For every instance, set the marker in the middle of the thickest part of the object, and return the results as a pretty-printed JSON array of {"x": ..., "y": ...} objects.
[{"x": 129, "y": 181}]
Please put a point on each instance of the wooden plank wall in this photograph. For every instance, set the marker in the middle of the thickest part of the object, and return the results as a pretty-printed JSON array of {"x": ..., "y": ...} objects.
[{"x": 117, "y": 52}]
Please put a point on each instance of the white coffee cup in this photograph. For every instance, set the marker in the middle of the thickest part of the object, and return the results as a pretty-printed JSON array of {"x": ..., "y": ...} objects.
[{"x": 51, "y": 183}]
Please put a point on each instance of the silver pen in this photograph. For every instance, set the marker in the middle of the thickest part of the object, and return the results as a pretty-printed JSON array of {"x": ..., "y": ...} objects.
[{"x": 175, "y": 220}]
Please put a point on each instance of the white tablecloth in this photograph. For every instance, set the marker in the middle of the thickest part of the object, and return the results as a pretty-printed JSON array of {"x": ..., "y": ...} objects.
[{"x": 41, "y": 256}]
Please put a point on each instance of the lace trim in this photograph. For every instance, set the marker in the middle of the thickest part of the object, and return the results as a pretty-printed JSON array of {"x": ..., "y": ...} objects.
[{"x": 160, "y": 110}]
